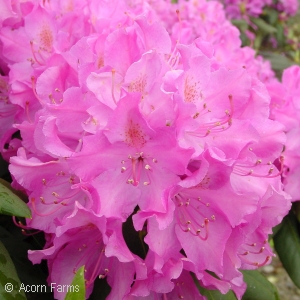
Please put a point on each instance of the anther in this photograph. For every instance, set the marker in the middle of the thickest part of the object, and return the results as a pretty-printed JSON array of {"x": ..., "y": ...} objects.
[
  {"x": 195, "y": 116},
  {"x": 52, "y": 99},
  {"x": 146, "y": 182},
  {"x": 147, "y": 167},
  {"x": 123, "y": 169}
]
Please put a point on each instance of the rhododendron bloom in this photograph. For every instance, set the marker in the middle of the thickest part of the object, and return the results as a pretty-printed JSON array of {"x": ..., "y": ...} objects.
[{"x": 137, "y": 120}]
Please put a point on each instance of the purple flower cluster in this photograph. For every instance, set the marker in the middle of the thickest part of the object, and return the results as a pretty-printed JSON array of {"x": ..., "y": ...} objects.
[
  {"x": 143, "y": 110},
  {"x": 237, "y": 9}
]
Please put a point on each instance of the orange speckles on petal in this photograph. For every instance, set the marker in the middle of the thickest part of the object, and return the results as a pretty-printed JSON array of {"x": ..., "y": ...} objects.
[
  {"x": 100, "y": 62},
  {"x": 191, "y": 91},
  {"x": 138, "y": 85},
  {"x": 46, "y": 38},
  {"x": 3, "y": 85},
  {"x": 134, "y": 136},
  {"x": 204, "y": 184}
]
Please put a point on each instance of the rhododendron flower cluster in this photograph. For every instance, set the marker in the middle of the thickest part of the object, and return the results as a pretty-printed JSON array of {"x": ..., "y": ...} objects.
[
  {"x": 220, "y": 39},
  {"x": 237, "y": 9},
  {"x": 122, "y": 118},
  {"x": 285, "y": 108}
]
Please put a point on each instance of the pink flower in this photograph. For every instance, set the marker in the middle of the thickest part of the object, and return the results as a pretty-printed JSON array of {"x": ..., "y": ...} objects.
[
  {"x": 162, "y": 129},
  {"x": 52, "y": 190},
  {"x": 86, "y": 239},
  {"x": 135, "y": 160}
]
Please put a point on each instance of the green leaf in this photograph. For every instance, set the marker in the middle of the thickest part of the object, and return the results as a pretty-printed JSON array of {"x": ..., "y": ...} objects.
[
  {"x": 271, "y": 15},
  {"x": 241, "y": 24},
  {"x": 275, "y": 230},
  {"x": 258, "y": 40},
  {"x": 287, "y": 245},
  {"x": 263, "y": 26},
  {"x": 278, "y": 61},
  {"x": 77, "y": 287},
  {"x": 9, "y": 281},
  {"x": 258, "y": 287},
  {"x": 11, "y": 204},
  {"x": 280, "y": 35}
]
